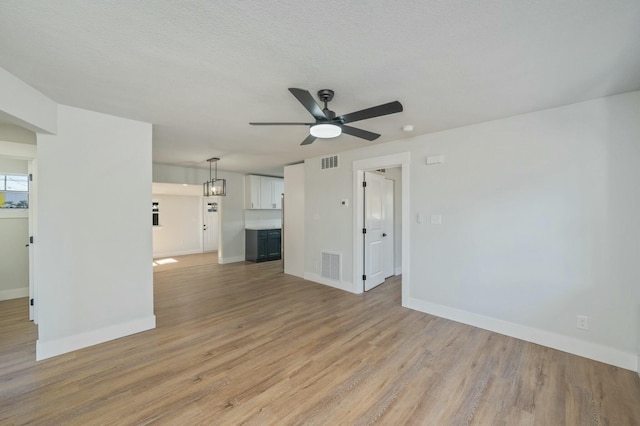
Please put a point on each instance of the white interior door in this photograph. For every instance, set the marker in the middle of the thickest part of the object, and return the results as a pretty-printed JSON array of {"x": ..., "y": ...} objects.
[
  {"x": 388, "y": 260},
  {"x": 374, "y": 224},
  {"x": 210, "y": 224}
]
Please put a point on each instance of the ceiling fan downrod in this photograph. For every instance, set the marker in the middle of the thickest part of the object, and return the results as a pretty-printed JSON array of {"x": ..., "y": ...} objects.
[{"x": 326, "y": 95}]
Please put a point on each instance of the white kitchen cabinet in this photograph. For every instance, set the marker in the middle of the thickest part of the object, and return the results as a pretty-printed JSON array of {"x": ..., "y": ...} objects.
[
  {"x": 278, "y": 190},
  {"x": 262, "y": 192},
  {"x": 252, "y": 192},
  {"x": 266, "y": 193}
]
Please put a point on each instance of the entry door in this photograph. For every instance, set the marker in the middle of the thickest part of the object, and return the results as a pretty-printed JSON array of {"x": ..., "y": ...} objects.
[
  {"x": 374, "y": 224},
  {"x": 210, "y": 224}
]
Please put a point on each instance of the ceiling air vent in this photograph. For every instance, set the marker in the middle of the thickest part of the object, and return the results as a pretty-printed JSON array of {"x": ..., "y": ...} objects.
[
  {"x": 329, "y": 162},
  {"x": 331, "y": 265}
]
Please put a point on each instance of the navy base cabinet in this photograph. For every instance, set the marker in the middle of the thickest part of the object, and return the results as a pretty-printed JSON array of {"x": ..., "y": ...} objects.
[{"x": 262, "y": 245}]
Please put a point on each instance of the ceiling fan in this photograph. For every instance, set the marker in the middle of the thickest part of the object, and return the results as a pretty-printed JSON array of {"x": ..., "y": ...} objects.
[{"x": 327, "y": 125}]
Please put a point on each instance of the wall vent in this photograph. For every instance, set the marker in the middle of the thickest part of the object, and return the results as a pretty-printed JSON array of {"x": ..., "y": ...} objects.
[
  {"x": 329, "y": 162},
  {"x": 331, "y": 265}
]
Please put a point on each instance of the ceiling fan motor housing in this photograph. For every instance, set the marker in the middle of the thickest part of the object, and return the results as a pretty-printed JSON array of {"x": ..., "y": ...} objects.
[{"x": 325, "y": 95}]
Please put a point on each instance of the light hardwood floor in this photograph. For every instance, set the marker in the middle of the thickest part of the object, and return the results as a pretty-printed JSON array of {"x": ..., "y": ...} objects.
[{"x": 245, "y": 344}]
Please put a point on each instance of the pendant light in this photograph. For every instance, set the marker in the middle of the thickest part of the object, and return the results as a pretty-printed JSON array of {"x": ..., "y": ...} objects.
[{"x": 214, "y": 186}]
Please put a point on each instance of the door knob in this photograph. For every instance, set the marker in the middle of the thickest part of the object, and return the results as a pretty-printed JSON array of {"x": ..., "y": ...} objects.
[{"x": 384, "y": 235}]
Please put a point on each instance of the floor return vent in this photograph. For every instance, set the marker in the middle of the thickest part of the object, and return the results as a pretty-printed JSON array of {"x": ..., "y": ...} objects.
[{"x": 331, "y": 265}]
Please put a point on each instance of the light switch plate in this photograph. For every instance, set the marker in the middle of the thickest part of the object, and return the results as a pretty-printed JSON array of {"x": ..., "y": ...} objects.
[{"x": 436, "y": 219}]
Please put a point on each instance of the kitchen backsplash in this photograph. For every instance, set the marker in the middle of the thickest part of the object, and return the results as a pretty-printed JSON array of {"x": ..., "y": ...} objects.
[{"x": 262, "y": 218}]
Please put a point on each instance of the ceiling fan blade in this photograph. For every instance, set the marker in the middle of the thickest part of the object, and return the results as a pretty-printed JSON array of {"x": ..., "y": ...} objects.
[
  {"x": 308, "y": 140},
  {"x": 282, "y": 124},
  {"x": 359, "y": 133},
  {"x": 308, "y": 102},
  {"x": 376, "y": 111}
]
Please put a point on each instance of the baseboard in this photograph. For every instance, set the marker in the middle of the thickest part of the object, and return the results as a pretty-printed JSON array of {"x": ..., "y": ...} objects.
[
  {"x": 550, "y": 339},
  {"x": 398, "y": 270},
  {"x": 288, "y": 272},
  {"x": 310, "y": 276},
  {"x": 14, "y": 293},
  {"x": 176, "y": 253},
  {"x": 61, "y": 346},
  {"x": 233, "y": 259}
]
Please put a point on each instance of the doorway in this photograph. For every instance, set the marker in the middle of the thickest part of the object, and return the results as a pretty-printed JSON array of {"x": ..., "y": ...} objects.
[
  {"x": 17, "y": 222},
  {"x": 402, "y": 194}
]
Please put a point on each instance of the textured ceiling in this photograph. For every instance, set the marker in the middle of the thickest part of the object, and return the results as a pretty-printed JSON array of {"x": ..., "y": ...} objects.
[{"x": 200, "y": 71}]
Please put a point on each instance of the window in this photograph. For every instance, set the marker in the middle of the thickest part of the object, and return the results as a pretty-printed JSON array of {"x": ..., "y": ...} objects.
[{"x": 14, "y": 191}]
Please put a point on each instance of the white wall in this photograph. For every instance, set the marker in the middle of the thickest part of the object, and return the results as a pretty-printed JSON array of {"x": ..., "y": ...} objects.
[
  {"x": 539, "y": 224},
  {"x": 329, "y": 225},
  {"x": 164, "y": 173},
  {"x": 12, "y": 165},
  {"x": 231, "y": 206},
  {"x": 294, "y": 219},
  {"x": 14, "y": 256},
  {"x": 17, "y": 150},
  {"x": 180, "y": 230},
  {"x": 93, "y": 242},
  {"x": 13, "y": 133},
  {"x": 23, "y": 105}
]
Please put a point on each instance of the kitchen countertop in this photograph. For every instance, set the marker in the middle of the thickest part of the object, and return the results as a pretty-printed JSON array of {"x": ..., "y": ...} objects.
[{"x": 261, "y": 227}]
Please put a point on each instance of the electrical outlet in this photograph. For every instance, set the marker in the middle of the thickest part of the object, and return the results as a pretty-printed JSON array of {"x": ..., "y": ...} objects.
[{"x": 583, "y": 322}]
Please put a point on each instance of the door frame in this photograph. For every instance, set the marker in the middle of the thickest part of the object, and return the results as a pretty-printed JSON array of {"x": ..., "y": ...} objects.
[
  {"x": 402, "y": 160},
  {"x": 389, "y": 259}
]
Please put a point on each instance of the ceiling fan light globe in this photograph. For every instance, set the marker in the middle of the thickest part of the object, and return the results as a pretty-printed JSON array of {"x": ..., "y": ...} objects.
[{"x": 325, "y": 131}]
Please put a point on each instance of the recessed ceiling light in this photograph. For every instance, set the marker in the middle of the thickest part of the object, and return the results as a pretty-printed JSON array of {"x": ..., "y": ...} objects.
[{"x": 407, "y": 128}]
